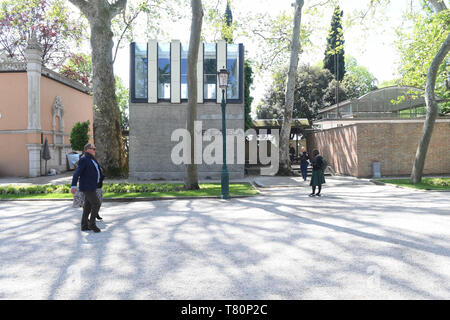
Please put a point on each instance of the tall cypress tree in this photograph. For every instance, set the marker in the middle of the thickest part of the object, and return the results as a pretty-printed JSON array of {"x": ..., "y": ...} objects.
[
  {"x": 227, "y": 35},
  {"x": 334, "y": 52},
  {"x": 227, "y": 29}
]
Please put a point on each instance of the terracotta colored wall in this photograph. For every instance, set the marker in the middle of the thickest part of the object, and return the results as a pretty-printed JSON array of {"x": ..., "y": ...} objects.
[
  {"x": 14, "y": 101},
  {"x": 78, "y": 106},
  {"x": 14, "y": 158},
  {"x": 351, "y": 150}
]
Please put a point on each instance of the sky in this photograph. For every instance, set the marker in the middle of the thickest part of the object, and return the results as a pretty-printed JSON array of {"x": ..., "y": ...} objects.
[{"x": 373, "y": 47}]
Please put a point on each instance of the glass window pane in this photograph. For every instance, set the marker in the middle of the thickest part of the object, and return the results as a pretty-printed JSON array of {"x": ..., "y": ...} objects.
[
  {"x": 184, "y": 55},
  {"x": 233, "y": 68},
  {"x": 163, "y": 70},
  {"x": 209, "y": 71},
  {"x": 140, "y": 71}
]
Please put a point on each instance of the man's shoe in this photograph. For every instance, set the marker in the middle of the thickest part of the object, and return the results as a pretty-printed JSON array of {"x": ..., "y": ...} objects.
[
  {"x": 318, "y": 195},
  {"x": 84, "y": 229},
  {"x": 99, "y": 218},
  {"x": 95, "y": 229},
  {"x": 312, "y": 195}
]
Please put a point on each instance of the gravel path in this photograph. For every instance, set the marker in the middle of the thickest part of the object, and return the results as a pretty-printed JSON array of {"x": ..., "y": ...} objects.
[{"x": 358, "y": 241}]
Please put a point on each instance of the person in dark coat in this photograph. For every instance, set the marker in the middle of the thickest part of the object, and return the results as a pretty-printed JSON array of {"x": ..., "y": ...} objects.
[
  {"x": 317, "y": 178},
  {"x": 304, "y": 162},
  {"x": 292, "y": 153},
  {"x": 90, "y": 175}
]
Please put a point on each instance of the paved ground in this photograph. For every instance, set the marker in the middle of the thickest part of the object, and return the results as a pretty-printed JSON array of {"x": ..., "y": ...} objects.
[{"x": 358, "y": 241}]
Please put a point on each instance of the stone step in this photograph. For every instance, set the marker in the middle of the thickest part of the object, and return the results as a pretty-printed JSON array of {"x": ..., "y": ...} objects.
[{"x": 256, "y": 170}]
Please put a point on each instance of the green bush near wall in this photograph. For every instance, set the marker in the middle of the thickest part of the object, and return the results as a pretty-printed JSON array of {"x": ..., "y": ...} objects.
[{"x": 121, "y": 190}]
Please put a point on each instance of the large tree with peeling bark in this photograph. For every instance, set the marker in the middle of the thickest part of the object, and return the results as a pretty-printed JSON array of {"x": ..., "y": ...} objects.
[
  {"x": 430, "y": 100},
  {"x": 191, "y": 175},
  {"x": 107, "y": 130},
  {"x": 285, "y": 165}
]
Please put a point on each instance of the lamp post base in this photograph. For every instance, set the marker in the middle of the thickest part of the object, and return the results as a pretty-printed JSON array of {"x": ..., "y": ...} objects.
[{"x": 225, "y": 183}]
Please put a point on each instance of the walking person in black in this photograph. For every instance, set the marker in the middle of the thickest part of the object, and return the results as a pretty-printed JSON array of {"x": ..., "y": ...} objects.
[
  {"x": 318, "y": 178},
  {"x": 91, "y": 176},
  {"x": 304, "y": 162}
]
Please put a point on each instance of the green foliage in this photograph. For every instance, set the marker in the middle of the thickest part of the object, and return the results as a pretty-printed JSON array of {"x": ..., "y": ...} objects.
[
  {"x": 389, "y": 83},
  {"x": 79, "y": 68},
  {"x": 124, "y": 190},
  {"x": 79, "y": 136},
  {"x": 275, "y": 35},
  {"x": 334, "y": 52},
  {"x": 248, "y": 81},
  {"x": 357, "y": 80},
  {"x": 55, "y": 29},
  {"x": 418, "y": 48},
  {"x": 227, "y": 27},
  {"x": 425, "y": 184},
  {"x": 122, "y": 94},
  {"x": 313, "y": 90}
]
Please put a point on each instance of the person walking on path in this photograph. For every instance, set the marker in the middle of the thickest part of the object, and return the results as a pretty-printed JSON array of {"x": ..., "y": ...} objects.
[
  {"x": 89, "y": 173},
  {"x": 317, "y": 178},
  {"x": 304, "y": 162}
]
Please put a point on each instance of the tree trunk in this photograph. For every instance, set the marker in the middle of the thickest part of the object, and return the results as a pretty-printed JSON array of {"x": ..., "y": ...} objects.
[
  {"x": 107, "y": 130},
  {"x": 285, "y": 163},
  {"x": 191, "y": 175},
  {"x": 432, "y": 108}
]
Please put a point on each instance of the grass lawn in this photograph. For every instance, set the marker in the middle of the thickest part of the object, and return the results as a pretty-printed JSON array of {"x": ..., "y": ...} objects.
[
  {"x": 425, "y": 184},
  {"x": 206, "y": 189}
]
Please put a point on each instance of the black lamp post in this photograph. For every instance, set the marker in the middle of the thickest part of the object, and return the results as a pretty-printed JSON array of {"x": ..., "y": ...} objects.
[{"x": 223, "y": 84}]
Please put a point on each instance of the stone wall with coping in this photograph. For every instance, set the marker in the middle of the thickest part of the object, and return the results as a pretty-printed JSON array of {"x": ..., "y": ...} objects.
[{"x": 352, "y": 149}]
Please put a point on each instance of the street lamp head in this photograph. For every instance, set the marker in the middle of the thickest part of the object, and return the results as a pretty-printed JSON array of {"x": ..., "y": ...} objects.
[{"x": 223, "y": 78}]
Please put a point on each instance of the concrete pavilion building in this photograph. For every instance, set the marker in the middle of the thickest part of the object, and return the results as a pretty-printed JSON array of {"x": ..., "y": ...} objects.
[{"x": 158, "y": 105}]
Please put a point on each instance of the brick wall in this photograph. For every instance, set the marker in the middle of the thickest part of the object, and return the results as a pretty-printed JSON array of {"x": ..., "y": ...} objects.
[
  {"x": 338, "y": 146},
  {"x": 351, "y": 150}
]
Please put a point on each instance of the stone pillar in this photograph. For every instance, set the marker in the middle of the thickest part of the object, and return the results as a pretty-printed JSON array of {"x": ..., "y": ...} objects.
[
  {"x": 33, "y": 54},
  {"x": 221, "y": 63},
  {"x": 175, "y": 68},
  {"x": 152, "y": 54},
  {"x": 34, "y": 156},
  {"x": 200, "y": 74}
]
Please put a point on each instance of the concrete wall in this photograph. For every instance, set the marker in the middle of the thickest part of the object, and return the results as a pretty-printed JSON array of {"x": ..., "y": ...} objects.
[
  {"x": 351, "y": 150},
  {"x": 151, "y": 128}
]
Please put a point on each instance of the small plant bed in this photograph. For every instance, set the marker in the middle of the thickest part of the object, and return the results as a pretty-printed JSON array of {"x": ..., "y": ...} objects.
[
  {"x": 425, "y": 184},
  {"x": 126, "y": 190}
]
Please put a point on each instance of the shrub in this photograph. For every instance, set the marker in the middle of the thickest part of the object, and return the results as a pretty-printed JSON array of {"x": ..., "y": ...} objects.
[
  {"x": 79, "y": 136},
  {"x": 439, "y": 182}
]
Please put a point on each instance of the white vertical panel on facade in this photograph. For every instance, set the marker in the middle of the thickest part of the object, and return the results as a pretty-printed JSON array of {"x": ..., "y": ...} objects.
[
  {"x": 152, "y": 51},
  {"x": 175, "y": 68},
  {"x": 221, "y": 63},
  {"x": 200, "y": 74}
]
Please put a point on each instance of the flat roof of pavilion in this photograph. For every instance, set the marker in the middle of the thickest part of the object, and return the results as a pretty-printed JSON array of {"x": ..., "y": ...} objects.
[
  {"x": 413, "y": 97},
  {"x": 299, "y": 123}
]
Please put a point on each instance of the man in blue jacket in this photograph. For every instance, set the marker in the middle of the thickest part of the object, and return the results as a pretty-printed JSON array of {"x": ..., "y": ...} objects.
[{"x": 90, "y": 175}]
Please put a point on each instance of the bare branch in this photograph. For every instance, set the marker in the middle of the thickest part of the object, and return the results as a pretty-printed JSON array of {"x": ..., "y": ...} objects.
[
  {"x": 83, "y": 5},
  {"x": 321, "y": 4},
  {"x": 127, "y": 25},
  {"x": 117, "y": 7},
  {"x": 437, "y": 5}
]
